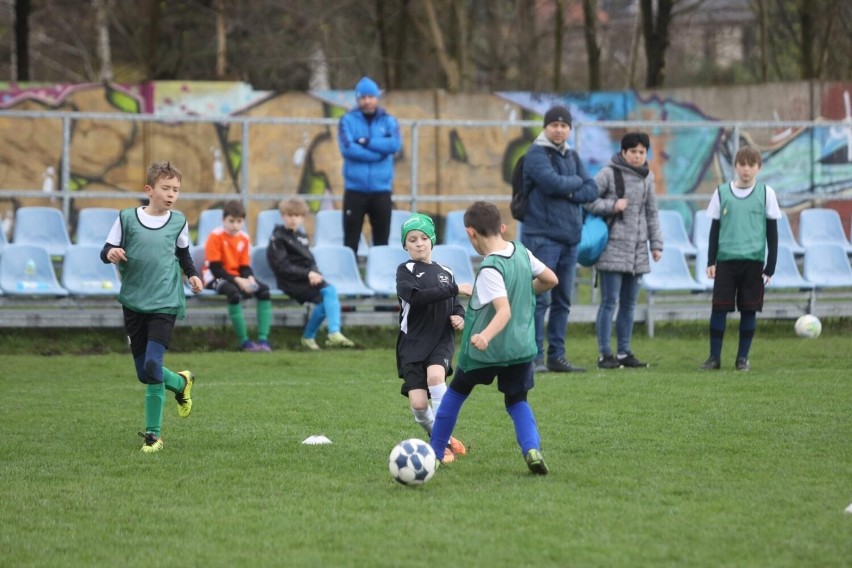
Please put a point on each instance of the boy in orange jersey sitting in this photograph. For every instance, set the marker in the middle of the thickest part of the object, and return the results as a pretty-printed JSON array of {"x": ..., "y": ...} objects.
[{"x": 227, "y": 271}]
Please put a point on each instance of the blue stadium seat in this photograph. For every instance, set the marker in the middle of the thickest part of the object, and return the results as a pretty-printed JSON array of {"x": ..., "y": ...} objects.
[
  {"x": 671, "y": 274},
  {"x": 94, "y": 224},
  {"x": 199, "y": 260},
  {"x": 454, "y": 233},
  {"x": 398, "y": 217},
  {"x": 818, "y": 226},
  {"x": 700, "y": 230},
  {"x": 84, "y": 274},
  {"x": 674, "y": 233},
  {"x": 266, "y": 221},
  {"x": 27, "y": 270},
  {"x": 328, "y": 230},
  {"x": 340, "y": 267},
  {"x": 787, "y": 273},
  {"x": 208, "y": 220},
  {"x": 262, "y": 271},
  {"x": 42, "y": 226},
  {"x": 456, "y": 259},
  {"x": 827, "y": 266},
  {"x": 786, "y": 238},
  {"x": 382, "y": 263},
  {"x": 700, "y": 266}
]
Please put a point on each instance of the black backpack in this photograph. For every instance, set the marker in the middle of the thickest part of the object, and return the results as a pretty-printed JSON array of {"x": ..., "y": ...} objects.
[{"x": 520, "y": 198}]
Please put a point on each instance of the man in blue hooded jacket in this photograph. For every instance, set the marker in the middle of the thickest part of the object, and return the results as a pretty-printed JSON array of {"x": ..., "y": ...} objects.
[
  {"x": 368, "y": 137},
  {"x": 557, "y": 184}
]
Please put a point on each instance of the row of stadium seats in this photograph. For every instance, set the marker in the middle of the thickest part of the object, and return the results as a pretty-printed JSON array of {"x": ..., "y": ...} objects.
[
  {"x": 46, "y": 227},
  {"x": 27, "y": 270}
]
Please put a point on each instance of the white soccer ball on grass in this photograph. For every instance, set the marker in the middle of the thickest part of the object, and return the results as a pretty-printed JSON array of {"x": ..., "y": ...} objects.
[
  {"x": 808, "y": 326},
  {"x": 412, "y": 462}
]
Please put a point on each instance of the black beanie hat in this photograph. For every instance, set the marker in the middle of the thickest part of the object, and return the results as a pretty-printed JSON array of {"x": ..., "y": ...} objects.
[{"x": 557, "y": 113}]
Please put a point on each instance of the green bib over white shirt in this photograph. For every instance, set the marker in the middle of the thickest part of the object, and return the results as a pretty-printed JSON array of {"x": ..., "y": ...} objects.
[{"x": 742, "y": 224}]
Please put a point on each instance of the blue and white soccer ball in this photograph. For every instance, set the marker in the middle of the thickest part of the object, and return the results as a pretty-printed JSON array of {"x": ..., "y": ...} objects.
[
  {"x": 412, "y": 462},
  {"x": 808, "y": 326}
]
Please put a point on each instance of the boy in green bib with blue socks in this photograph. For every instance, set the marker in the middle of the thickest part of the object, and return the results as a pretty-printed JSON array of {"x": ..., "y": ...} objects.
[
  {"x": 499, "y": 332},
  {"x": 150, "y": 245}
]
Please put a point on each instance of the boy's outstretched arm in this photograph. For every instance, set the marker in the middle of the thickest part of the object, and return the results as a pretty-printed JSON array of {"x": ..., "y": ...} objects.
[
  {"x": 545, "y": 281},
  {"x": 498, "y": 323}
]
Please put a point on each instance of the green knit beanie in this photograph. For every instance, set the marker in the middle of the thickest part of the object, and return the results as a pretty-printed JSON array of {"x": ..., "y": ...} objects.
[{"x": 419, "y": 222}]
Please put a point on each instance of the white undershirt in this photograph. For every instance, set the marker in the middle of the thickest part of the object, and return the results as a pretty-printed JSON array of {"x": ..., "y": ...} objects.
[
  {"x": 490, "y": 284},
  {"x": 152, "y": 222},
  {"x": 773, "y": 211}
]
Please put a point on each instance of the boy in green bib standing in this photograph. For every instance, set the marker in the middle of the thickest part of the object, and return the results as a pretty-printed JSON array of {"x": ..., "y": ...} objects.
[
  {"x": 150, "y": 245},
  {"x": 499, "y": 332},
  {"x": 741, "y": 254}
]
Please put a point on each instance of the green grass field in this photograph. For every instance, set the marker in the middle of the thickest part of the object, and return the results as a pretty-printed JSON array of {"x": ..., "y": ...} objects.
[{"x": 660, "y": 467}]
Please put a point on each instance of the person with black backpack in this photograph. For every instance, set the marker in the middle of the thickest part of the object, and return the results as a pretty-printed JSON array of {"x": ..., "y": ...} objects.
[
  {"x": 627, "y": 201},
  {"x": 556, "y": 185}
]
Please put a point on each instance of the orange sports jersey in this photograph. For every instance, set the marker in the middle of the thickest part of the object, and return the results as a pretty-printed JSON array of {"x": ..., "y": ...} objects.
[{"x": 231, "y": 251}]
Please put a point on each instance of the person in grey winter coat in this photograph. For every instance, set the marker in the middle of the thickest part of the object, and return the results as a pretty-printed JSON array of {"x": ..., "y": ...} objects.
[
  {"x": 558, "y": 185},
  {"x": 634, "y": 223}
]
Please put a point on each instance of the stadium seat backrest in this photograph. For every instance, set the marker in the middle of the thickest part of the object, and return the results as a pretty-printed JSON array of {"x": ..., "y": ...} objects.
[
  {"x": 456, "y": 259},
  {"x": 27, "y": 270},
  {"x": 42, "y": 226},
  {"x": 671, "y": 273},
  {"x": 827, "y": 266},
  {"x": 266, "y": 221},
  {"x": 398, "y": 217},
  {"x": 328, "y": 230},
  {"x": 700, "y": 230},
  {"x": 382, "y": 263},
  {"x": 208, "y": 220},
  {"x": 84, "y": 274},
  {"x": 262, "y": 271},
  {"x": 454, "y": 233},
  {"x": 339, "y": 266},
  {"x": 674, "y": 232},
  {"x": 786, "y": 238},
  {"x": 822, "y": 226},
  {"x": 787, "y": 273},
  {"x": 700, "y": 267},
  {"x": 94, "y": 224}
]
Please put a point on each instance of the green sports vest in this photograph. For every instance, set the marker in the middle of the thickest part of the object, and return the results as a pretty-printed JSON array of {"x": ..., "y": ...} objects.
[
  {"x": 742, "y": 224},
  {"x": 151, "y": 277},
  {"x": 516, "y": 343}
]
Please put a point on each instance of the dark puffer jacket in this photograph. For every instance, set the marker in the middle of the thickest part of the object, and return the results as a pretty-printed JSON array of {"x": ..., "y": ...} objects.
[{"x": 291, "y": 259}]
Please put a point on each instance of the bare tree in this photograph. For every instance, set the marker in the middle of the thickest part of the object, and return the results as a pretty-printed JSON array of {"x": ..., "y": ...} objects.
[
  {"x": 21, "y": 52},
  {"x": 102, "y": 28},
  {"x": 656, "y": 27},
  {"x": 221, "y": 40},
  {"x": 593, "y": 50}
]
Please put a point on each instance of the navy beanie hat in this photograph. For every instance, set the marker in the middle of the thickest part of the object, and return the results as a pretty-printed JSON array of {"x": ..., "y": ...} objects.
[
  {"x": 557, "y": 113},
  {"x": 366, "y": 87}
]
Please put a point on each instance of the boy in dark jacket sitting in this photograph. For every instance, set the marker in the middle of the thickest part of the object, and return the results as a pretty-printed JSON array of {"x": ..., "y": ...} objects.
[{"x": 297, "y": 274}]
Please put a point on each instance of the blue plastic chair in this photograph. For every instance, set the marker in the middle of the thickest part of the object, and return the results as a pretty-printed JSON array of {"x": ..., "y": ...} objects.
[
  {"x": 27, "y": 270},
  {"x": 266, "y": 221},
  {"x": 262, "y": 271},
  {"x": 382, "y": 263},
  {"x": 208, "y": 220},
  {"x": 700, "y": 266},
  {"x": 456, "y": 259},
  {"x": 454, "y": 233},
  {"x": 674, "y": 232},
  {"x": 328, "y": 231},
  {"x": 786, "y": 238},
  {"x": 84, "y": 274},
  {"x": 94, "y": 224},
  {"x": 671, "y": 274},
  {"x": 827, "y": 266},
  {"x": 701, "y": 222},
  {"x": 398, "y": 218},
  {"x": 787, "y": 273},
  {"x": 340, "y": 267},
  {"x": 818, "y": 226},
  {"x": 42, "y": 226}
]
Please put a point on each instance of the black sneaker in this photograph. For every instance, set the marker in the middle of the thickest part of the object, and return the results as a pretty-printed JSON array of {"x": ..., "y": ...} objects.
[
  {"x": 711, "y": 364},
  {"x": 562, "y": 365},
  {"x": 630, "y": 361},
  {"x": 539, "y": 366},
  {"x": 608, "y": 361},
  {"x": 742, "y": 364}
]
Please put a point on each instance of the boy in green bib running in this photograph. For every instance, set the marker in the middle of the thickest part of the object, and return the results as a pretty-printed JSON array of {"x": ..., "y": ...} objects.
[
  {"x": 499, "y": 332},
  {"x": 150, "y": 245}
]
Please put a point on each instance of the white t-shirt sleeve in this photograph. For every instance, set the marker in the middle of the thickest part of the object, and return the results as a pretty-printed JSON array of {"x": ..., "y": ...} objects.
[
  {"x": 537, "y": 265},
  {"x": 183, "y": 239},
  {"x": 773, "y": 210},
  {"x": 489, "y": 286},
  {"x": 713, "y": 207},
  {"x": 114, "y": 236}
]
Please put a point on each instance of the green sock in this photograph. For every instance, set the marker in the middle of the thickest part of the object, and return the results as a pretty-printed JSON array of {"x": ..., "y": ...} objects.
[
  {"x": 264, "y": 319},
  {"x": 155, "y": 398},
  {"x": 173, "y": 381},
  {"x": 235, "y": 311}
]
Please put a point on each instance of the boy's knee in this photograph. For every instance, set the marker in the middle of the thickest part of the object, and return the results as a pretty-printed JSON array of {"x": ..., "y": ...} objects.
[{"x": 152, "y": 369}]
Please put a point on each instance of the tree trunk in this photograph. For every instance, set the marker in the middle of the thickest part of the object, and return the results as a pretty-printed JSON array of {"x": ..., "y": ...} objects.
[
  {"x": 634, "y": 50},
  {"x": 656, "y": 32},
  {"x": 593, "y": 50},
  {"x": 102, "y": 26},
  {"x": 763, "y": 26},
  {"x": 22, "y": 40},
  {"x": 448, "y": 64},
  {"x": 152, "y": 64},
  {"x": 806, "y": 39},
  {"x": 221, "y": 41}
]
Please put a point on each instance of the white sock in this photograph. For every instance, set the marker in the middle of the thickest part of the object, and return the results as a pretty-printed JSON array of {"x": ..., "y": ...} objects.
[
  {"x": 437, "y": 393},
  {"x": 425, "y": 417}
]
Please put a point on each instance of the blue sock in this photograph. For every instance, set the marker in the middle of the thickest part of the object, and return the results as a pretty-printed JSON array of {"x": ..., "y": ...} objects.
[
  {"x": 748, "y": 324},
  {"x": 718, "y": 320},
  {"x": 154, "y": 362},
  {"x": 314, "y": 322},
  {"x": 445, "y": 420},
  {"x": 526, "y": 429},
  {"x": 331, "y": 303}
]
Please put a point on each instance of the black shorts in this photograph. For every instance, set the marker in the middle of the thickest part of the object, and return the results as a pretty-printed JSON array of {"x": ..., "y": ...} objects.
[
  {"x": 738, "y": 283},
  {"x": 142, "y": 328},
  {"x": 413, "y": 374},
  {"x": 512, "y": 380}
]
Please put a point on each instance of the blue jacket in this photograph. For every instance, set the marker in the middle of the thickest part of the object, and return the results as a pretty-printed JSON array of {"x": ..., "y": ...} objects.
[
  {"x": 368, "y": 166},
  {"x": 558, "y": 185}
]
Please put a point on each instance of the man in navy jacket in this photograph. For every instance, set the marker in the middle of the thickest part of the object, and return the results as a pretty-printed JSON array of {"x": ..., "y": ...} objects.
[
  {"x": 368, "y": 137},
  {"x": 557, "y": 184}
]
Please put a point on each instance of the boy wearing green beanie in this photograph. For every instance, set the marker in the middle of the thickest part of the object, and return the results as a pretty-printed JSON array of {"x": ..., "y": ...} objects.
[{"x": 429, "y": 315}]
